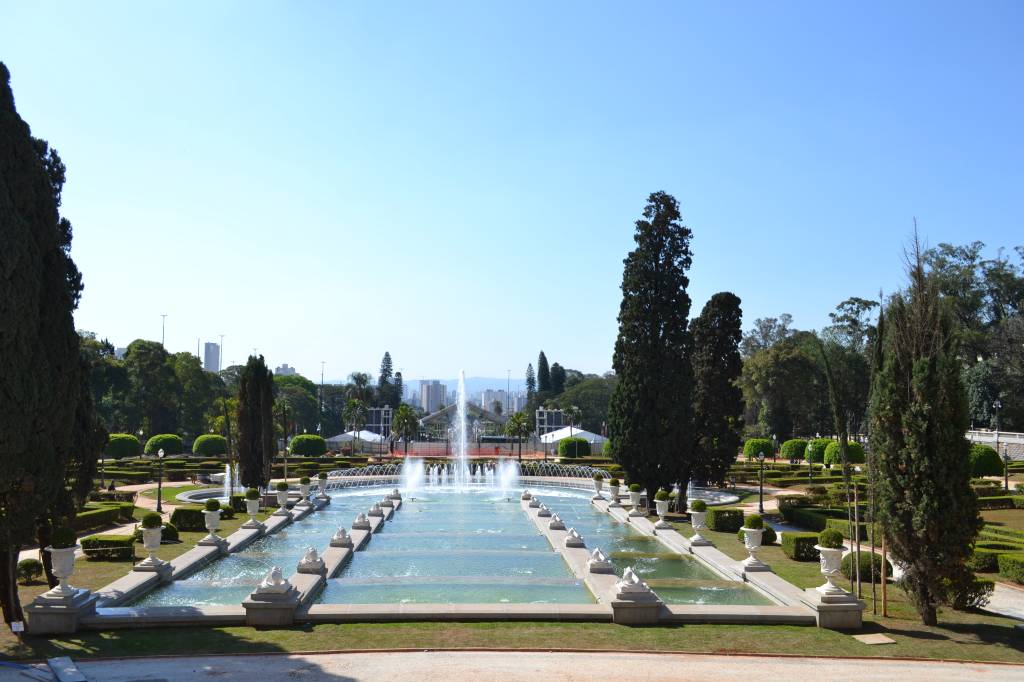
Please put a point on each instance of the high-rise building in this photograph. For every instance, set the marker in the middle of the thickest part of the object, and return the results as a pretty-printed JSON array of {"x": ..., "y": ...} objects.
[
  {"x": 211, "y": 357},
  {"x": 284, "y": 370},
  {"x": 432, "y": 395},
  {"x": 489, "y": 398}
]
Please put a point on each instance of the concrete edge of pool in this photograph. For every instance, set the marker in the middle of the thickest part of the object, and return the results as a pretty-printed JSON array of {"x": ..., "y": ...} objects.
[{"x": 792, "y": 605}]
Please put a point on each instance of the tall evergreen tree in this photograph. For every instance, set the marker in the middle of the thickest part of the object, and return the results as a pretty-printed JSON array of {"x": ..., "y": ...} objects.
[
  {"x": 543, "y": 375},
  {"x": 385, "y": 385},
  {"x": 717, "y": 398},
  {"x": 399, "y": 390},
  {"x": 255, "y": 419},
  {"x": 40, "y": 367},
  {"x": 651, "y": 412},
  {"x": 557, "y": 379},
  {"x": 918, "y": 417},
  {"x": 531, "y": 383}
]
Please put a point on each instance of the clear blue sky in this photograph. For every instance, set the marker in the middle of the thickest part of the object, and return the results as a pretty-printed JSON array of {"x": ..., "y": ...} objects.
[{"x": 457, "y": 183}]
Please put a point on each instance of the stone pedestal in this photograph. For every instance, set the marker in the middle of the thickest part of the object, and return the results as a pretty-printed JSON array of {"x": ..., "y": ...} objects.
[
  {"x": 161, "y": 568},
  {"x": 273, "y": 602},
  {"x": 215, "y": 541},
  {"x": 835, "y": 611},
  {"x": 633, "y": 602},
  {"x": 59, "y": 615}
]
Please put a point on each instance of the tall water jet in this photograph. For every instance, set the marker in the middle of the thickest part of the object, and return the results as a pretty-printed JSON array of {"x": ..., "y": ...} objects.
[{"x": 461, "y": 477}]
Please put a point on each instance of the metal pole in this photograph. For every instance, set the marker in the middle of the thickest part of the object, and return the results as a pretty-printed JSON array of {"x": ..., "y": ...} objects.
[
  {"x": 159, "y": 482},
  {"x": 760, "y": 486},
  {"x": 885, "y": 595},
  {"x": 163, "y": 326}
]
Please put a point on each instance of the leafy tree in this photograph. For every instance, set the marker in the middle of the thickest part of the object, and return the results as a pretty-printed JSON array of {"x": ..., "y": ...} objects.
[
  {"x": 557, "y": 379},
  {"x": 170, "y": 443},
  {"x": 784, "y": 390},
  {"x": 518, "y": 427},
  {"x": 531, "y": 383},
  {"x": 153, "y": 387},
  {"x": 121, "y": 445},
  {"x": 358, "y": 387},
  {"x": 308, "y": 445},
  {"x": 299, "y": 394},
  {"x": 543, "y": 375},
  {"x": 335, "y": 397},
  {"x": 46, "y": 403},
  {"x": 210, "y": 445},
  {"x": 651, "y": 411},
  {"x": 405, "y": 425},
  {"x": 108, "y": 382},
  {"x": 255, "y": 423},
  {"x": 767, "y": 332},
  {"x": 592, "y": 395},
  {"x": 572, "y": 415},
  {"x": 399, "y": 390},
  {"x": 199, "y": 391},
  {"x": 928, "y": 511},
  {"x": 717, "y": 399},
  {"x": 356, "y": 414}
]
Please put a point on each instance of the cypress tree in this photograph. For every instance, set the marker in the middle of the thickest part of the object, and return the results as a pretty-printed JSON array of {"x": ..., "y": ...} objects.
[
  {"x": 40, "y": 368},
  {"x": 531, "y": 383},
  {"x": 717, "y": 398},
  {"x": 650, "y": 417},
  {"x": 557, "y": 379},
  {"x": 255, "y": 423},
  {"x": 918, "y": 417},
  {"x": 399, "y": 390},
  {"x": 384, "y": 382},
  {"x": 543, "y": 375}
]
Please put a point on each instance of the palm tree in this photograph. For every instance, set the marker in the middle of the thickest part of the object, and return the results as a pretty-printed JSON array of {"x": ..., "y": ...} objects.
[
  {"x": 356, "y": 415},
  {"x": 405, "y": 424},
  {"x": 518, "y": 426},
  {"x": 572, "y": 415}
]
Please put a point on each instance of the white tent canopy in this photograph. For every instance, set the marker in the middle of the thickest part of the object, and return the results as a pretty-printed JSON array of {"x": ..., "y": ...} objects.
[
  {"x": 554, "y": 436},
  {"x": 349, "y": 436}
]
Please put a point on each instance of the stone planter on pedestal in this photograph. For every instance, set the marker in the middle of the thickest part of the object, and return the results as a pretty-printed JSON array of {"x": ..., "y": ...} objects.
[
  {"x": 151, "y": 541},
  {"x": 697, "y": 521},
  {"x": 831, "y": 560},
  {"x": 322, "y": 494},
  {"x": 252, "y": 508},
  {"x": 662, "y": 508},
  {"x": 752, "y": 541},
  {"x": 212, "y": 519},
  {"x": 59, "y": 610},
  {"x": 614, "y": 490},
  {"x": 834, "y": 607},
  {"x": 282, "y": 504},
  {"x": 598, "y": 487},
  {"x": 303, "y": 495},
  {"x": 634, "y": 501},
  {"x": 633, "y": 602}
]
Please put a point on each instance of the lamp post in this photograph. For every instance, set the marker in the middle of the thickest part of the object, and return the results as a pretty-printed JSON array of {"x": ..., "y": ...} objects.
[
  {"x": 775, "y": 445},
  {"x": 996, "y": 405},
  {"x": 760, "y": 484},
  {"x": 159, "y": 481},
  {"x": 1006, "y": 467}
]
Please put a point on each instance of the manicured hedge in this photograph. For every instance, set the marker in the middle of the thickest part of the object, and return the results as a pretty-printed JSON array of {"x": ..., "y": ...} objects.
[
  {"x": 103, "y": 514},
  {"x": 170, "y": 443},
  {"x": 800, "y": 546},
  {"x": 1001, "y": 502},
  {"x": 985, "y": 461},
  {"x": 794, "y": 448},
  {"x": 109, "y": 547},
  {"x": 854, "y": 453},
  {"x": 574, "y": 447},
  {"x": 866, "y": 559},
  {"x": 127, "y": 475},
  {"x": 122, "y": 445},
  {"x": 724, "y": 519},
  {"x": 188, "y": 518},
  {"x": 210, "y": 445},
  {"x": 1012, "y": 566},
  {"x": 755, "y": 446},
  {"x": 308, "y": 445},
  {"x": 843, "y": 526}
]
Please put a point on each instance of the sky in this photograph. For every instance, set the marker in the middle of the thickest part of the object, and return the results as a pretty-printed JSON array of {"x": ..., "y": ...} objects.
[{"x": 456, "y": 183}]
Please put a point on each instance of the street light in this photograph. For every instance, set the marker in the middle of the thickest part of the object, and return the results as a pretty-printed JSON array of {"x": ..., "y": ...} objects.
[
  {"x": 760, "y": 484},
  {"x": 997, "y": 404},
  {"x": 159, "y": 481},
  {"x": 1006, "y": 467},
  {"x": 775, "y": 445}
]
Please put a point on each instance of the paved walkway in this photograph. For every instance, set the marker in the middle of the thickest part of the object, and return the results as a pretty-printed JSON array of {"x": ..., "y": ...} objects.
[{"x": 531, "y": 666}]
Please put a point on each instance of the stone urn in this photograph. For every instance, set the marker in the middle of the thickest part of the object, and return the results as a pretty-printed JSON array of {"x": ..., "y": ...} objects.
[
  {"x": 63, "y": 565},
  {"x": 697, "y": 520},
  {"x": 321, "y": 485},
  {"x": 598, "y": 485},
  {"x": 614, "y": 490},
  {"x": 212, "y": 522},
  {"x": 634, "y": 499},
  {"x": 661, "y": 506},
  {"x": 282, "y": 504},
  {"x": 831, "y": 561},
  {"x": 304, "y": 494},
  {"x": 752, "y": 542},
  {"x": 252, "y": 508},
  {"x": 151, "y": 541}
]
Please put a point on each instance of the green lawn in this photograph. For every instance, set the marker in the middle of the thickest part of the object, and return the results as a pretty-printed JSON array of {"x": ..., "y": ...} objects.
[
  {"x": 1006, "y": 518},
  {"x": 169, "y": 495}
]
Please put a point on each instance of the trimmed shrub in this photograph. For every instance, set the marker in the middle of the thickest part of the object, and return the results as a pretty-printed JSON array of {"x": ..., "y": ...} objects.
[
  {"x": 830, "y": 539},
  {"x": 252, "y": 494},
  {"x": 725, "y": 519},
  {"x": 188, "y": 518},
  {"x": 211, "y": 504},
  {"x": 574, "y": 447},
  {"x": 753, "y": 521},
  {"x": 282, "y": 486},
  {"x": 308, "y": 445},
  {"x": 971, "y": 593},
  {"x": 815, "y": 450},
  {"x": 598, "y": 476},
  {"x": 794, "y": 449},
  {"x": 843, "y": 526},
  {"x": 152, "y": 520},
  {"x": 800, "y": 546},
  {"x": 985, "y": 461},
  {"x": 866, "y": 559},
  {"x": 614, "y": 482},
  {"x": 29, "y": 570},
  {"x": 606, "y": 448},
  {"x": 167, "y": 537},
  {"x": 1001, "y": 502},
  {"x": 854, "y": 452},
  {"x": 787, "y": 501},
  {"x": 698, "y": 506},
  {"x": 304, "y": 480},
  {"x": 322, "y": 476},
  {"x": 1011, "y": 566},
  {"x": 662, "y": 495},
  {"x": 210, "y": 445},
  {"x": 121, "y": 445},
  {"x": 103, "y": 514},
  {"x": 63, "y": 537},
  {"x": 755, "y": 446},
  {"x": 768, "y": 537},
  {"x": 635, "y": 487},
  {"x": 168, "y": 442},
  {"x": 109, "y": 547}
]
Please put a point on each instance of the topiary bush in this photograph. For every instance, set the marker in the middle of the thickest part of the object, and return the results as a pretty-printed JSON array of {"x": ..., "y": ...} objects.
[
  {"x": 985, "y": 461},
  {"x": 109, "y": 547},
  {"x": 63, "y": 538},
  {"x": 800, "y": 546},
  {"x": 29, "y": 570},
  {"x": 725, "y": 519},
  {"x": 662, "y": 495},
  {"x": 211, "y": 505},
  {"x": 866, "y": 559},
  {"x": 698, "y": 506},
  {"x": 830, "y": 538},
  {"x": 754, "y": 446},
  {"x": 121, "y": 445},
  {"x": 252, "y": 494},
  {"x": 854, "y": 453},
  {"x": 188, "y": 518},
  {"x": 210, "y": 445},
  {"x": 574, "y": 447},
  {"x": 308, "y": 445},
  {"x": 281, "y": 487},
  {"x": 815, "y": 450},
  {"x": 794, "y": 449},
  {"x": 152, "y": 520},
  {"x": 168, "y": 442},
  {"x": 753, "y": 521}
]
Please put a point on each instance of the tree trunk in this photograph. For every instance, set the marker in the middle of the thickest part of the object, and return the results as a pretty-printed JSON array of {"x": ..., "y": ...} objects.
[
  {"x": 44, "y": 536},
  {"x": 9, "y": 601}
]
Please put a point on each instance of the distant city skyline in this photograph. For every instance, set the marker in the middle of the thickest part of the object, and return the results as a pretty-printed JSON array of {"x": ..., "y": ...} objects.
[{"x": 457, "y": 183}]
